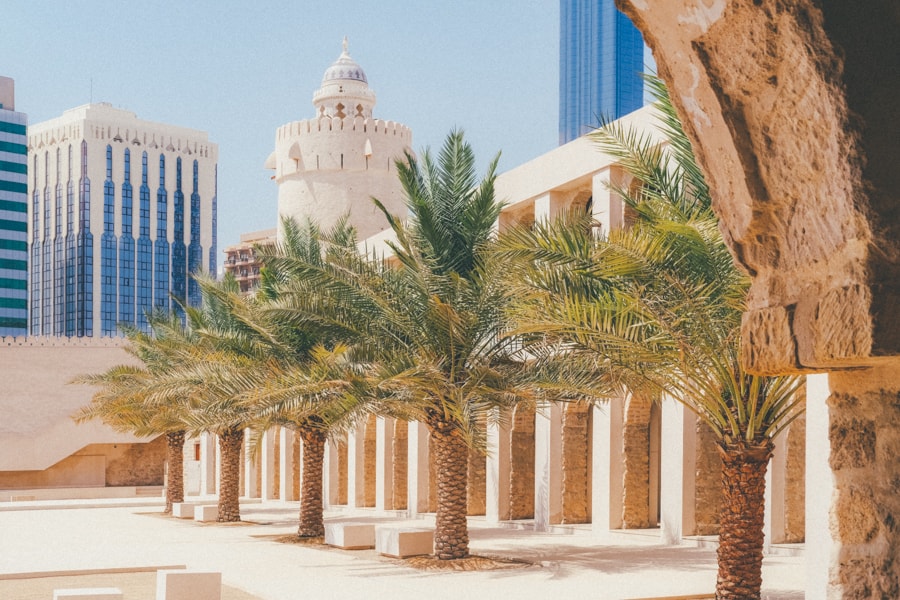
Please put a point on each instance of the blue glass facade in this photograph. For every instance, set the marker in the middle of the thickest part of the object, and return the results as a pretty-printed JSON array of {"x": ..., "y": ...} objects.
[
  {"x": 601, "y": 56},
  {"x": 148, "y": 228}
]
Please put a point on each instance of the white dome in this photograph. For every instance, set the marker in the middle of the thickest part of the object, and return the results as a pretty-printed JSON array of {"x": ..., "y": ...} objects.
[{"x": 344, "y": 68}]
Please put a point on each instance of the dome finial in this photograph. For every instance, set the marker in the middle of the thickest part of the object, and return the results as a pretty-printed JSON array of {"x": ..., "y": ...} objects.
[{"x": 346, "y": 44}]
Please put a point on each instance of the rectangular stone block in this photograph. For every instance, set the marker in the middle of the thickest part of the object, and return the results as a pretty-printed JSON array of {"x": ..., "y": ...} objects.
[
  {"x": 183, "y": 510},
  {"x": 350, "y": 536},
  {"x": 88, "y": 594},
  {"x": 206, "y": 512},
  {"x": 401, "y": 542},
  {"x": 188, "y": 585}
]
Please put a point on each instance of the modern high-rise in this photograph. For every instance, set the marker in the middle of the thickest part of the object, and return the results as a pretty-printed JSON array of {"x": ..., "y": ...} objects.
[
  {"x": 601, "y": 57},
  {"x": 13, "y": 214},
  {"x": 122, "y": 210}
]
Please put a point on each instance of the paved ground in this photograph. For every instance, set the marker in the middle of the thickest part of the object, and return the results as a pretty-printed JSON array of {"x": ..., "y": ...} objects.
[{"x": 617, "y": 566}]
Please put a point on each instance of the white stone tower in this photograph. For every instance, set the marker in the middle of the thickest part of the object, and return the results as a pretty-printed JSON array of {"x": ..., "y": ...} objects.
[{"x": 337, "y": 161}]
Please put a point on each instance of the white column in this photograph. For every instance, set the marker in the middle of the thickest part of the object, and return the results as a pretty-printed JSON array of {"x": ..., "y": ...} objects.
[
  {"x": 607, "y": 466},
  {"x": 286, "y": 466},
  {"x": 417, "y": 469},
  {"x": 384, "y": 471},
  {"x": 547, "y": 206},
  {"x": 547, "y": 467},
  {"x": 677, "y": 471},
  {"x": 497, "y": 473},
  {"x": 218, "y": 459},
  {"x": 821, "y": 547},
  {"x": 356, "y": 464},
  {"x": 331, "y": 494},
  {"x": 208, "y": 463},
  {"x": 773, "y": 526},
  {"x": 608, "y": 208},
  {"x": 250, "y": 471},
  {"x": 267, "y": 465}
]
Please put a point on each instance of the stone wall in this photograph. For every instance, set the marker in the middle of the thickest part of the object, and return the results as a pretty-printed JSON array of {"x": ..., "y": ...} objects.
[
  {"x": 370, "y": 458},
  {"x": 342, "y": 471},
  {"x": 477, "y": 484},
  {"x": 521, "y": 465},
  {"x": 636, "y": 441},
  {"x": 708, "y": 490},
  {"x": 576, "y": 463},
  {"x": 864, "y": 430},
  {"x": 795, "y": 482},
  {"x": 400, "y": 458}
]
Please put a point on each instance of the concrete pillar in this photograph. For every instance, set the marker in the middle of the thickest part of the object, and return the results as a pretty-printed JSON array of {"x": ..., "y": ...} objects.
[
  {"x": 384, "y": 472},
  {"x": 267, "y": 464},
  {"x": 497, "y": 474},
  {"x": 370, "y": 460},
  {"x": 207, "y": 463},
  {"x": 521, "y": 465},
  {"x": 417, "y": 469},
  {"x": 607, "y": 465},
  {"x": 821, "y": 547},
  {"x": 250, "y": 472},
  {"x": 773, "y": 526},
  {"x": 636, "y": 456},
  {"x": 547, "y": 467},
  {"x": 576, "y": 463},
  {"x": 331, "y": 494},
  {"x": 356, "y": 466},
  {"x": 608, "y": 208},
  {"x": 287, "y": 463},
  {"x": 677, "y": 471}
]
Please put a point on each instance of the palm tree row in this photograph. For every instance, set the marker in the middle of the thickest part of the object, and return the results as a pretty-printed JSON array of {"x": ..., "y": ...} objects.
[{"x": 456, "y": 327}]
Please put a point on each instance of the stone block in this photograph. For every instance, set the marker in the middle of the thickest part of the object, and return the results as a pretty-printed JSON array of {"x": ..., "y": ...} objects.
[
  {"x": 206, "y": 512},
  {"x": 183, "y": 510},
  {"x": 188, "y": 585},
  {"x": 88, "y": 594},
  {"x": 350, "y": 536},
  {"x": 401, "y": 542}
]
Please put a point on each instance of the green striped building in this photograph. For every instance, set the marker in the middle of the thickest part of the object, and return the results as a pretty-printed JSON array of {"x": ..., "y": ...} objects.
[{"x": 13, "y": 214}]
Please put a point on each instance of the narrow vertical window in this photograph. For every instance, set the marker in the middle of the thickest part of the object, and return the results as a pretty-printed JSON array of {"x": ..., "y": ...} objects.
[
  {"x": 179, "y": 258},
  {"x": 144, "y": 252},
  {"x": 84, "y": 242},
  {"x": 161, "y": 245},
  {"x": 195, "y": 251},
  {"x": 108, "y": 250},
  {"x": 126, "y": 289}
]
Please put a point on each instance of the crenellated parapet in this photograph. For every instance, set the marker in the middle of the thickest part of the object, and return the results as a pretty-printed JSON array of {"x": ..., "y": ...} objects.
[{"x": 62, "y": 342}]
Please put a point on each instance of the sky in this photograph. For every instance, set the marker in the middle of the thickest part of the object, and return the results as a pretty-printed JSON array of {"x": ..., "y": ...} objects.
[{"x": 239, "y": 70}]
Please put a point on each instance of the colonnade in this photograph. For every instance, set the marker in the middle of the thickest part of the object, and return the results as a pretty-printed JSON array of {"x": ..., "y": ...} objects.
[{"x": 629, "y": 463}]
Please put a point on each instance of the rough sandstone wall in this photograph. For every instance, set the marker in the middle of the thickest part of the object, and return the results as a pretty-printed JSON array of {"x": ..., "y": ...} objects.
[
  {"x": 576, "y": 463},
  {"x": 276, "y": 462},
  {"x": 295, "y": 472},
  {"x": 342, "y": 471},
  {"x": 636, "y": 442},
  {"x": 795, "y": 483},
  {"x": 708, "y": 490},
  {"x": 369, "y": 465},
  {"x": 400, "y": 459},
  {"x": 521, "y": 465},
  {"x": 477, "y": 484},
  {"x": 864, "y": 429},
  {"x": 790, "y": 112}
]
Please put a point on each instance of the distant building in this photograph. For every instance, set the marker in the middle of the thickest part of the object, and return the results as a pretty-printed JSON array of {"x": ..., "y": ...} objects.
[
  {"x": 13, "y": 214},
  {"x": 334, "y": 163},
  {"x": 110, "y": 253},
  {"x": 241, "y": 260},
  {"x": 601, "y": 56}
]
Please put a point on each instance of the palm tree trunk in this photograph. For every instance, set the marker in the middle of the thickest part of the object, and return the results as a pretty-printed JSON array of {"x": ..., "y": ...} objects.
[
  {"x": 230, "y": 442},
  {"x": 312, "y": 517},
  {"x": 175, "y": 469},
  {"x": 741, "y": 525},
  {"x": 451, "y": 456}
]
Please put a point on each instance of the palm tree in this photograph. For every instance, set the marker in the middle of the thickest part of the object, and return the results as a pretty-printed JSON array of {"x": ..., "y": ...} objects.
[
  {"x": 427, "y": 328},
  {"x": 124, "y": 402},
  {"x": 659, "y": 306}
]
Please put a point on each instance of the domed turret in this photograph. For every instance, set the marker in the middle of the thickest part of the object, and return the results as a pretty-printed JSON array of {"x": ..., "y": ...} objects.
[{"x": 345, "y": 90}]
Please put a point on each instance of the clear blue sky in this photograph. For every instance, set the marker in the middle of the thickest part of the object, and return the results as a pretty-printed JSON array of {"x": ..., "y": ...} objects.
[{"x": 238, "y": 70}]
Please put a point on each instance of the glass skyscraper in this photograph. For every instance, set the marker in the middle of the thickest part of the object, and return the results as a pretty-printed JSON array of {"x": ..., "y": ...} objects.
[
  {"x": 601, "y": 56},
  {"x": 112, "y": 256},
  {"x": 13, "y": 214}
]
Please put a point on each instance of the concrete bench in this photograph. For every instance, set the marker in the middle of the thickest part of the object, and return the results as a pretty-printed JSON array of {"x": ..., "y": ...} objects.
[
  {"x": 206, "y": 512},
  {"x": 188, "y": 585},
  {"x": 88, "y": 594},
  {"x": 401, "y": 542},
  {"x": 183, "y": 510},
  {"x": 350, "y": 536}
]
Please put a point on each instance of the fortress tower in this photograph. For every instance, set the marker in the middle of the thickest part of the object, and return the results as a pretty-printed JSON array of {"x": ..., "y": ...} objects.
[{"x": 337, "y": 161}]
